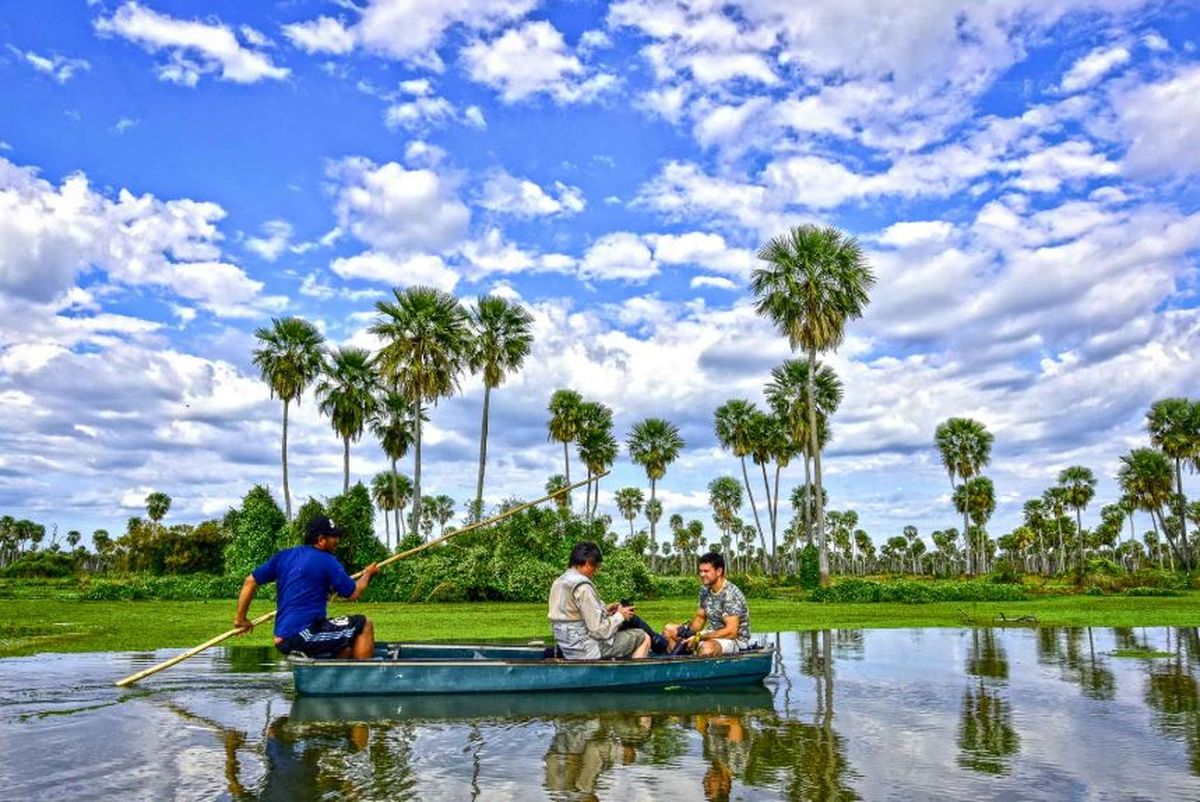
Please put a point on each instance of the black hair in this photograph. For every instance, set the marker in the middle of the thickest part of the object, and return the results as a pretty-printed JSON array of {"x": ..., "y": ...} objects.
[
  {"x": 584, "y": 553},
  {"x": 713, "y": 559}
]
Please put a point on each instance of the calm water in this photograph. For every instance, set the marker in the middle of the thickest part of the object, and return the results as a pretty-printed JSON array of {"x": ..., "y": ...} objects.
[{"x": 849, "y": 714}]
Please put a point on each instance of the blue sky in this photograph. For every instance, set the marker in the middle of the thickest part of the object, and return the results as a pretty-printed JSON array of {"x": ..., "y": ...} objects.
[{"x": 1023, "y": 176}]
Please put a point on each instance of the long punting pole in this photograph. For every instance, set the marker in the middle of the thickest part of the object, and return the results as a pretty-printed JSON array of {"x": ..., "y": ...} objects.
[{"x": 195, "y": 650}]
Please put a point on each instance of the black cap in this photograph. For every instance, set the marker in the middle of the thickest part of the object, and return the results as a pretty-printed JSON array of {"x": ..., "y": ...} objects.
[{"x": 320, "y": 527}]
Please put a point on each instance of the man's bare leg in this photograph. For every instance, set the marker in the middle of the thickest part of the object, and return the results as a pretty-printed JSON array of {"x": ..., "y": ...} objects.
[
  {"x": 643, "y": 650},
  {"x": 363, "y": 646}
]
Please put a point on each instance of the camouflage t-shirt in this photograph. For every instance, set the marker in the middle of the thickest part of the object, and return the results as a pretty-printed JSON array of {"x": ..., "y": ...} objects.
[{"x": 730, "y": 601}]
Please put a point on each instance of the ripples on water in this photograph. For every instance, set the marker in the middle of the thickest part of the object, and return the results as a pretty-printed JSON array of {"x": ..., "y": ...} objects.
[{"x": 849, "y": 714}]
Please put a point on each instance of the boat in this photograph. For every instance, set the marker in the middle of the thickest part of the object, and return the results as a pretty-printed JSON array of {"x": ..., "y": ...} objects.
[
  {"x": 732, "y": 700},
  {"x": 400, "y": 669}
]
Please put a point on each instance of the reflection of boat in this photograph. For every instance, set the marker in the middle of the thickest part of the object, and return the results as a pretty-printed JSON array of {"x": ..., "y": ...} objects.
[
  {"x": 431, "y": 669},
  {"x": 687, "y": 702}
]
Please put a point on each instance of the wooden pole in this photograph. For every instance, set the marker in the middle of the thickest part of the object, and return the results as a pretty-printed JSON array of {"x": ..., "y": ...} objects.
[{"x": 195, "y": 650}]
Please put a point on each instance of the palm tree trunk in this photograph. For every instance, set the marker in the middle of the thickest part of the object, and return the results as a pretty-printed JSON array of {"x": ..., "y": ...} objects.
[
  {"x": 822, "y": 545},
  {"x": 653, "y": 522},
  {"x": 345, "y": 465},
  {"x": 775, "y": 518},
  {"x": 396, "y": 501},
  {"x": 1174, "y": 552},
  {"x": 387, "y": 531},
  {"x": 483, "y": 434},
  {"x": 587, "y": 499},
  {"x": 1062, "y": 548},
  {"x": 596, "y": 495},
  {"x": 1079, "y": 534},
  {"x": 567, "y": 469},
  {"x": 757, "y": 523},
  {"x": 770, "y": 515},
  {"x": 631, "y": 529},
  {"x": 969, "y": 552},
  {"x": 417, "y": 474},
  {"x": 807, "y": 517},
  {"x": 287, "y": 493},
  {"x": 1183, "y": 541}
]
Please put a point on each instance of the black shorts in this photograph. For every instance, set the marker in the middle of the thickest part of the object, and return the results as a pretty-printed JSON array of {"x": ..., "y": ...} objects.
[{"x": 325, "y": 637}]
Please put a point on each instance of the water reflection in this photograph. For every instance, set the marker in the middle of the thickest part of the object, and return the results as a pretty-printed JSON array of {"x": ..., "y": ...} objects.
[{"x": 851, "y": 714}]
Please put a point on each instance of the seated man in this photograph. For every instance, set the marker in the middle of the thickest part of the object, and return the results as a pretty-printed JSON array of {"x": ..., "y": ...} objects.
[
  {"x": 305, "y": 576},
  {"x": 722, "y": 624},
  {"x": 583, "y": 626}
]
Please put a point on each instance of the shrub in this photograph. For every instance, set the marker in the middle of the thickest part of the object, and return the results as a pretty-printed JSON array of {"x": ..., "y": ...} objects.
[
  {"x": 1144, "y": 591},
  {"x": 1005, "y": 572},
  {"x": 810, "y": 567},
  {"x": 41, "y": 563},
  {"x": 673, "y": 587},
  {"x": 258, "y": 525},
  {"x": 860, "y": 591}
]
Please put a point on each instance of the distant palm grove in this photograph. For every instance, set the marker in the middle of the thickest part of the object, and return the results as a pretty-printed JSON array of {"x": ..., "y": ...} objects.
[{"x": 813, "y": 282}]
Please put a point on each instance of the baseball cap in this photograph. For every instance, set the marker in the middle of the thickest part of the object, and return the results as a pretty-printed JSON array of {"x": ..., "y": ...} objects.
[{"x": 320, "y": 527}]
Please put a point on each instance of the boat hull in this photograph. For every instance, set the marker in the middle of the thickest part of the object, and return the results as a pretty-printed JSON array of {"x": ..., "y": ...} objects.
[{"x": 419, "y": 669}]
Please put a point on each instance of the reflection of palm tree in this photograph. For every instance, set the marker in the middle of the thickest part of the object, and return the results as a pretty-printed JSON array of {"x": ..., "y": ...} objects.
[
  {"x": 986, "y": 737},
  {"x": 1173, "y": 693}
]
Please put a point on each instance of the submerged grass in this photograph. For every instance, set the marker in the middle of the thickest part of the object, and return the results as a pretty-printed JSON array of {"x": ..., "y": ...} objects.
[{"x": 63, "y": 625}]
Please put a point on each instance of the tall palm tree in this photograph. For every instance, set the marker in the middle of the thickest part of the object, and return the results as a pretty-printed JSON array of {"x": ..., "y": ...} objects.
[
  {"x": 733, "y": 423},
  {"x": 629, "y": 504},
  {"x": 553, "y": 485},
  {"x": 157, "y": 505},
  {"x": 395, "y": 429},
  {"x": 289, "y": 359},
  {"x": 653, "y": 510},
  {"x": 787, "y": 394},
  {"x": 502, "y": 335},
  {"x": 1146, "y": 479},
  {"x": 597, "y": 447},
  {"x": 816, "y": 280},
  {"x": 1174, "y": 426},
  {"x": 402, "y": 497},
  {"x": 425, "y": 334},
  {"x": 1035, "y": 518},
  {"x": 976, "y": 498},
  {"x": 965, "y": 446},
  {"x": 349, "y": 394},
  {"x": 565, "y": 409},
  {"x": 381, "y": 493},
  {"x": 1080, "y": 486},
  {"x": 443, "y": 511},
  {"x": 1055, "y": 499},
  {"x": 654, "y": 444},
  {"x": 725, "y": 498}
]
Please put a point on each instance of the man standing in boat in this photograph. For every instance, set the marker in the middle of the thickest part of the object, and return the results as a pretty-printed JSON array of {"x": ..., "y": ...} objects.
[
  {"x": 583, "y": 626},
  {"x": 722, "y": 624},
  {"x": 305, "y": 576}
]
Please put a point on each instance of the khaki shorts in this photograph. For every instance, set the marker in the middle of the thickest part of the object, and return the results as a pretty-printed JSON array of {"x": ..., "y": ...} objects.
[
  {"x": 623, "y": 644},
  {"x": 728, "y": 645}
]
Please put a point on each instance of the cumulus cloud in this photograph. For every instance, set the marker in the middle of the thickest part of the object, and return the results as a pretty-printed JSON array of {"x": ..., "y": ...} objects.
[
  {"x": 395, "y": 209},
  {"x": 193, "y": 48},
  {"x": 421, "y": 268},
  {"x": 521, "y": 197},
  {"x": 277, "y": 238},
  {"x": 60, "y": 68},
  {"x": 1095, "y": 65},
  {"x": 619, "y": 256},
  {"x": 1160, "y": 123},
  {"x": 533, "y": 59}
]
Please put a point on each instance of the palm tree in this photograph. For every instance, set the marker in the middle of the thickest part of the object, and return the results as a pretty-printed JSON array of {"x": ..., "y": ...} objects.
[
  {"x": 402, "y": 496},
  {"x": 381, "y": 494},
  {"x": 565, "y": 410},
  {"x": 502, "y": 337},
  {"x": 1055, "y": 499},
  {"x": 1174, "y": 426},
  {"x": 157, "y": 505},
  {"x": 553, "y": 485},
  {"x": 976, "y": 498},
  {"x": 654, "y": 444},
  {"x": 1146, "y": 478},
  {"x": 725, "y": 498},
  {"x": 787, "y": 393},
  {"x": 349, "y": 394},
  {"x": 395, "y": 428},
  {"x": 653, "y": 510},
  {"x": 733, "y": 423},
  {"x": 816, "y": 280},
  {"x": 629, "y": 504},
  {"x": 1035, "y": 518},
  {"x": 597, "y": 447},
  {"x": 442, "y": 509},
  {"x": 290, "y": 359},
  {"x": 425, "y": 334},
  {"x": 965, "y": 446},
  {"x": 1080, "y": 486}
]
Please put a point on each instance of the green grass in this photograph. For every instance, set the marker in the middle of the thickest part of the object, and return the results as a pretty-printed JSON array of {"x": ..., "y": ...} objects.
[
  {"x": 1141, "y": 654},
  {"x": 62, "y": 625}
]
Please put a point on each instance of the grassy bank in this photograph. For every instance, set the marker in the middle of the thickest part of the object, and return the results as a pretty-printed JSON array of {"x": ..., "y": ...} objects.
[{"x": 54, "y": 625}]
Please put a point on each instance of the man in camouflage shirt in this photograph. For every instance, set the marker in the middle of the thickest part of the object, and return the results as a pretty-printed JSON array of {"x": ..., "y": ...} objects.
[{"x": 721, "y": 625}]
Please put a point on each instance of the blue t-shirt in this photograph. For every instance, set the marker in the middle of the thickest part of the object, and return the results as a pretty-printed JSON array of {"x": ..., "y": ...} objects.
[{"x": 305, "y": 576}]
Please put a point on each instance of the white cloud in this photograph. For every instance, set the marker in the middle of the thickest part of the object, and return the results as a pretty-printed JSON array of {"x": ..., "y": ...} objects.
[
  {"x": 716, "y": 282},
  {"x": 620, "y": 256},
  {"x": 1161, "y": 124},
  {"x": 49, "y": 235},
  {"x": 124, "y": 124},
  {"x": 278, "y": 238},
  {"x": 421, "y": 268},
  {"x": 910, "y": 233},
  {"x": 704, "y": 249},
  {"x": 423, "y": 154},
  {"x": 394, "y": 209},
  {"x": 408, "y": 30},
  {"x": 194, "y": 48},
  {"x": 521, "y": 197},
  {"x": 474, "y": 117},
  {"x": 1154, "y": 41},
  {"x": 419, "y": 113},
  {"x": 1095, "y": 65},
  {"x": 533, "y": 59},
  {"x": 60, "y": 68}
]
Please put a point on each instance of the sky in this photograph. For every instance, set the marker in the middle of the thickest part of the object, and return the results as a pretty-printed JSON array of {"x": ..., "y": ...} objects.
[{"x": 1022, "y": 174}]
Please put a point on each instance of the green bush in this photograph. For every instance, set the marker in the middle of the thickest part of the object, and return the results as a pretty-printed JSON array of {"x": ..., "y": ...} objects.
[
  {"x": 1006, "y": 572},
  {"x": 354, "y": 513},
  {"x": 41, "y": 564},
  {"x": 673, "y": 587},
  {"x": 867, "y": 591},
  {"x": 810, "y": 567},
  {"x": 257, "y": 533},
  {"x": 188, "y": 587},
  {"x": 1144, "y": 591}
]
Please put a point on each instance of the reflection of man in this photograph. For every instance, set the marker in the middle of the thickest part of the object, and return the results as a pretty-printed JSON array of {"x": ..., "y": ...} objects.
[
  {"x": 294, "y": 768},
  {"x": 584, "y": 749},
  {"x": 305, "y": 575},
  {"x": 721, "y": 625},
  {"x": 727, "y": 750},
  {"x": 584, "y": 627}
]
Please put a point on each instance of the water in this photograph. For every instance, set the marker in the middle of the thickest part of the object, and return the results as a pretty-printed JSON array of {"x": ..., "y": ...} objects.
[{"x": 849, "y": 714}]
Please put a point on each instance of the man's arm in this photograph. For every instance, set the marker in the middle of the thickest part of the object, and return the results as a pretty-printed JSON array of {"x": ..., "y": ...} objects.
[
  {"x": 600, "y": 625},
  {"x": 249, "y": 588},
  {"x": 697, "y": 622},
  {"x": 730, "y": 630},
  {"x": 359, "y": 586}
]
